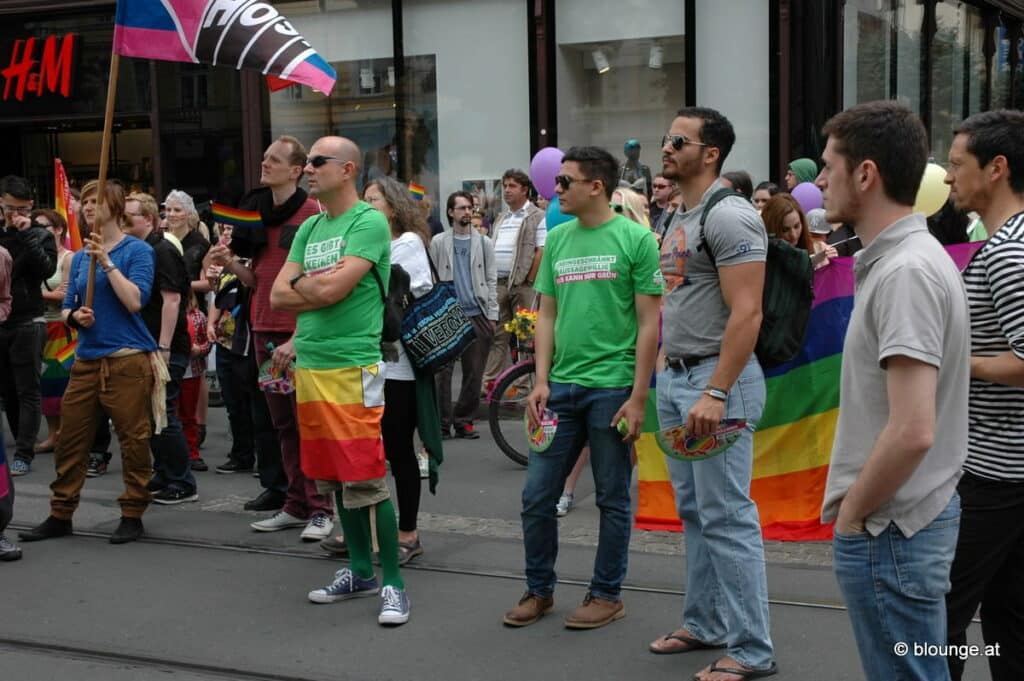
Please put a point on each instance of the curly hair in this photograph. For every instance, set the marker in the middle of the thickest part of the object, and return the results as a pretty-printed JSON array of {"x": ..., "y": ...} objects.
[{"x": 406, "y": 216}]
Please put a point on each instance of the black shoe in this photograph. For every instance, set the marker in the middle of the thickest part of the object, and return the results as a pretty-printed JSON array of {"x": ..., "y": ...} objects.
[
  {"x": 175, "y": 495},
  {"x": 268, "y": 500},
  {"x": 48, "y": 529},
  {"x": 466, "y": 431},
  {"x": 97, "y": 466},
  {"x": 130, "y": 529},
  {"x": 199, "y": 465},
  {"x": 446, "y": 433},
  {"x": 232, "y": 466},
  {"x": 202, "y": 435},
  {"x": 335, "y": 546},
  {"x": 155, "y": 485},
  {"x": 8, "y": 551}
]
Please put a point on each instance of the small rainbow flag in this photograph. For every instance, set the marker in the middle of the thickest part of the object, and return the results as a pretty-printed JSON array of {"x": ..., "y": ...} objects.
[
  {"x": 227, "y": 215},
  {"x": 418, "y": 191},
  {"x": 66, "y": 356}
]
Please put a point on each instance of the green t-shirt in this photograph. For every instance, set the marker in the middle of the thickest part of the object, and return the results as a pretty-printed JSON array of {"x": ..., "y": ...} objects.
[
  {"x": 593, "y": 274},
  {"x": 347, "y": 333}
]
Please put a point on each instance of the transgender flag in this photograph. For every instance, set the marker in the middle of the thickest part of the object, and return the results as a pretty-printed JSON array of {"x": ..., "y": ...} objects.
[{"x": 248, "y": 34}]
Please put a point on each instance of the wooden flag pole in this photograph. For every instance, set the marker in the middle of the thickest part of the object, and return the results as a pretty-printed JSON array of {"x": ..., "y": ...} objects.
[{"x": 101, "y": 194}]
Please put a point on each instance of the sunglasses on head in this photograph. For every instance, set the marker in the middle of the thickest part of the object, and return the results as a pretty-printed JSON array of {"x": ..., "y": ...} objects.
[
  {"x": 319, "y": 161},
  {"x": 617, "y": 207},
  {"x": 679, "y": 140},
  {"x": 565, "y": 181}
]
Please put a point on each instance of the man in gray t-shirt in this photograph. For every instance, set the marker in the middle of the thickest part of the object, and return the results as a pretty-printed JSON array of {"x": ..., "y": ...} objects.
[
  {"x": 902, "y": 432},
  {"x": 710, "y": 321}
]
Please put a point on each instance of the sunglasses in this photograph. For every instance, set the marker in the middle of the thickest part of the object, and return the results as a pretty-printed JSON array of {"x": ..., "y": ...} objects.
[
  {"x": 617, "y": 207},
  {"x": 564, "y": 181},
  {"x": 21, "y": 210},
  {"x": 679, "y": 140},
  {"x": 321, "y": 161}
]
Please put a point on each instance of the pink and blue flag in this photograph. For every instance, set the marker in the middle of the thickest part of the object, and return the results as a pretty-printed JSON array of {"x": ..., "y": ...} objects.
[{"x": 242, "y": 34}]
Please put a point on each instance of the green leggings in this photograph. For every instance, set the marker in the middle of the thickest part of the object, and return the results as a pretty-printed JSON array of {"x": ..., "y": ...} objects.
[{"x": 356, "y": 525}]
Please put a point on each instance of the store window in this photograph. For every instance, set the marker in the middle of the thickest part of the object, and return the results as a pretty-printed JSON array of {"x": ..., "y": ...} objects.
[
  {"x": 620, "y": 76},
  {"x": 866, "y": 74},
  {"x": 958, "y": 70},
  {"x": 1001, "y": 73}
]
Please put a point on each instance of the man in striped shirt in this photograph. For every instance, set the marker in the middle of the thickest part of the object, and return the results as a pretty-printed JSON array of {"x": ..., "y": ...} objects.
[{"x": 986, "y": 174}]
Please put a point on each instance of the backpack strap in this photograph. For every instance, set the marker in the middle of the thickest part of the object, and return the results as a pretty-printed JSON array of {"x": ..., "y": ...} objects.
[
  {"x": 713, "y": 200},
  {"x": 380, "y": 283}
]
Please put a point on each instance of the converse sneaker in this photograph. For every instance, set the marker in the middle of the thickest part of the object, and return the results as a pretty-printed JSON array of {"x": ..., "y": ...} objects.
[
  {"x": 20, "y": 467},
  {"x": 564, "y": 505},
  {"x": 318, "y": 528},
  {"x": 8, "y": 551},
  {"x": 97, "y": 466},
  {"x": 394, "y": 607},
  {"x": 278, "y": 521},
  {"x": 345, "y": 585}
]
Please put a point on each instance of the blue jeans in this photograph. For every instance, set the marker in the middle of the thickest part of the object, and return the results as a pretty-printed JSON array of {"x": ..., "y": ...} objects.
[
  {"x": 583, "y": 414},
  {"x": 171, "y": 466},
  {"x": 726, "y": 590},
  {"x": 895, "y": 590}
]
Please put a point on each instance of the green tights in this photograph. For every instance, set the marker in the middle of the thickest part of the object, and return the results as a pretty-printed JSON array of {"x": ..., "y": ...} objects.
[{"x": 355, "y": 523}]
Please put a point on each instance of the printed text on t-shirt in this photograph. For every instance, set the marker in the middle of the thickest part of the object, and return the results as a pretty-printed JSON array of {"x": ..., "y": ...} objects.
[{"x": 587, "y": 268}]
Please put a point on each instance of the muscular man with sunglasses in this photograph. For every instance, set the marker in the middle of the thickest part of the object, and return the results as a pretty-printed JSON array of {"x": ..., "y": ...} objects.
[{"x": 711, "y": 318}]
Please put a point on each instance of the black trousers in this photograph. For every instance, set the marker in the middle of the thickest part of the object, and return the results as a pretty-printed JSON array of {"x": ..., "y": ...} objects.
[
  {"x": 21, "y": 358},
  {"x": 398, "y": 426},
  {"x": 988, "y": 570}
]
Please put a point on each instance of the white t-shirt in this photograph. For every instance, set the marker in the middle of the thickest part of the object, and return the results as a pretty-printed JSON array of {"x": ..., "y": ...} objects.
[
  {"x": 409, "y": 252},
  {"x": 506, "y": 235}
]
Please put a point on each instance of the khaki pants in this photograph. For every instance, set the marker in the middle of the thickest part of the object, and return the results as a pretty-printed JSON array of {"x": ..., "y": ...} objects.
[
  {"x": 123, "y": 387},
  {"x": 508, "y": 300}
]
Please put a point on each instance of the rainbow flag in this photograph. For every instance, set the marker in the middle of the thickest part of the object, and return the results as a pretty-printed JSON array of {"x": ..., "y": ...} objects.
[
  {"x": 417, "y": 191},
  {"x": 62, "y": 204},
  {"x": 235, "y": 216},
  {"x": 793, "y": 442},
  {"x": 248, "y": 34},
  {"x": 339, "y": 413}
]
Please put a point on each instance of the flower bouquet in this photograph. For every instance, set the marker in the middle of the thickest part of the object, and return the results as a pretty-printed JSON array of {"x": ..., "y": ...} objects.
[{"x": 523, "y": 326}]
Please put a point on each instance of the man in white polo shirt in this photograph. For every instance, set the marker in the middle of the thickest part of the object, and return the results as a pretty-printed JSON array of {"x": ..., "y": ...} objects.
[
  {"x": 518, "y": 236},
  {"x": 902, "y": 433}
]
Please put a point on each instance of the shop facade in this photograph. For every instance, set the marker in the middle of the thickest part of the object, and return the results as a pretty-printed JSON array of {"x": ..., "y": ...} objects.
[{"x": 450, "y": 93}]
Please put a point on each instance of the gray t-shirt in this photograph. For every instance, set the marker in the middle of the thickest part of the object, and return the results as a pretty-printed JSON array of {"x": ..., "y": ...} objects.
[
  {"x": 909, "y": 300},
  {"x": 695, "y": 315},
  {"x": 462, "y": 247}
]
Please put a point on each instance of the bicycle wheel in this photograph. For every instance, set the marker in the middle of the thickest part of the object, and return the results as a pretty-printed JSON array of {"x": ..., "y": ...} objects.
[{"x": 506, "y": 410}]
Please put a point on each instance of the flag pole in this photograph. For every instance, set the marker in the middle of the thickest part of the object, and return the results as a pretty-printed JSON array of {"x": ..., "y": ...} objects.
[{"x": 101, "y": 195}]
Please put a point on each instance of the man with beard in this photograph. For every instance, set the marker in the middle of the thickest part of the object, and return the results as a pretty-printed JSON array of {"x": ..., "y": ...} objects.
[{"x": 283, "y": 206}]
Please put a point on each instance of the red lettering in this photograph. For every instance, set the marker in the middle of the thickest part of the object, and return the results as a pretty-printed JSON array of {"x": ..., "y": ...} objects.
[
  {"x": 53, "y": 76},
  {"x": 54, "y": 68},
  {"x": 17, "y": 72}
]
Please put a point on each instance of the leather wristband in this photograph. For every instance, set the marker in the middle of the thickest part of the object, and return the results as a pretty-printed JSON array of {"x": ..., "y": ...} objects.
[{"x": 72, "y": 322}]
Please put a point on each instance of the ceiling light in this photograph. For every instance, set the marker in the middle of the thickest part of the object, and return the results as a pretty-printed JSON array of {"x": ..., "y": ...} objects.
[{"x": 601, "y": 61}]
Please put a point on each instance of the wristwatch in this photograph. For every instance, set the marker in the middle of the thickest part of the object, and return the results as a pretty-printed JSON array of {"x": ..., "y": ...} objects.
[
  {"x": 294, "y": 280},
  {"x": 109, "y": 268},
  {"x": 716, "y": 393}
]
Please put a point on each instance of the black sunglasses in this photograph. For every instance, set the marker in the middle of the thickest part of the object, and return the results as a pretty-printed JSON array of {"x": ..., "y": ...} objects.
[
  {"x": 679, "y": 140},
  {"x": 564, "y": 181},
  {"x": 320, "y": 161}
]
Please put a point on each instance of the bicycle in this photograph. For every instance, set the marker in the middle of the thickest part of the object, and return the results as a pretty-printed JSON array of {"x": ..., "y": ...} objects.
[{"x": 506, "y": 403}]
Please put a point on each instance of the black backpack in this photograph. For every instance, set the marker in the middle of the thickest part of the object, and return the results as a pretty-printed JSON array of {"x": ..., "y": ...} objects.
[
  {"x": 396, "y": 300},
  {"x": 788, "y": 294}
]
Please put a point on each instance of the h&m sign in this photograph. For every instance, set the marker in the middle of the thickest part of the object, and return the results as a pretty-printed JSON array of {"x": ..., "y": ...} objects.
[{"x": 40, "y": 67}]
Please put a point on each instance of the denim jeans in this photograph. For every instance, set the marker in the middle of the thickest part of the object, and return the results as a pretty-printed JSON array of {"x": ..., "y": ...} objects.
[
  {"x": 895, "y": 590},
  {"x": 21, "y": 358},
  {"x": 583, "y": 414},
  {"x": 170, "y": 451},
  {"x": 726, "y": 590}
]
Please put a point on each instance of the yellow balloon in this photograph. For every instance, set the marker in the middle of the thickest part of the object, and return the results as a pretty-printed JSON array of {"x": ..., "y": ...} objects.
[{"x": 933, "y": 192}]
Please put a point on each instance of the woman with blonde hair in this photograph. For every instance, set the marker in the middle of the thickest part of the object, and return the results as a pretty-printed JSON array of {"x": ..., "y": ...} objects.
[{"x": 631, "y": 205}]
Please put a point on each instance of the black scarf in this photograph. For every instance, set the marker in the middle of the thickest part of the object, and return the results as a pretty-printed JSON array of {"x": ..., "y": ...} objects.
[{"x": 248, "y": 242}]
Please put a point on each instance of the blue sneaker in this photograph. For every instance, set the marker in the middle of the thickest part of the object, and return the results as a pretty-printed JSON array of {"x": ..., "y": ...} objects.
[
  {"x": 345, "y": 585},
  {"x": 20, "y": 467},
  {"x": 394, "y": 609}
]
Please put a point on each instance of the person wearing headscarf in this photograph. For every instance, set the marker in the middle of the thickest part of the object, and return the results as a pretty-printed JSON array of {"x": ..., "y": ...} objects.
[{"x": 801, "y": 170}]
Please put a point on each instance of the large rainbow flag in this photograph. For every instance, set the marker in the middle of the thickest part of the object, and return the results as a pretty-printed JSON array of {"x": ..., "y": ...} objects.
[
  {"x": 62, "y": 204},
  {"x": 793, "y": 441}
]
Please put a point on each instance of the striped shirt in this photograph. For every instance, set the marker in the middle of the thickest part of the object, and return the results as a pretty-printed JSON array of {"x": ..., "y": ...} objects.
[{"x": 995, "y": 289}]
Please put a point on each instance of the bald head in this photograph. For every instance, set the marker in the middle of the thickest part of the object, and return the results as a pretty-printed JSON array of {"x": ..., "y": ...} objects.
[
  {"x": 333, "y": 169},
  {"x": 342, "y": 148}
]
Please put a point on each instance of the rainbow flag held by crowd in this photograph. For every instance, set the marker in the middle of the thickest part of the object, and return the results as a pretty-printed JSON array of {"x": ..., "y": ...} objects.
[
  {"x": 236, "y": 217},
  {"x": 417, "y": 191},
  {"x": 793, "y": 442},
  {"x": 62, "y": 204},
  {"x": 251, "y": 35}
]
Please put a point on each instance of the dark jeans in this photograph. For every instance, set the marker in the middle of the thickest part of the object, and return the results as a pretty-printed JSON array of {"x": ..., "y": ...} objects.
[
  {"x": 265, "y": 440},
  {"x": 236, "y": 387},
  {"x": 171, "y": 466},
  {"x": 21, "y": 357},
  {"x": 473, "y": 359},
  {"x": 988, "y": 570},
  {"x": 397, "y": 427}
]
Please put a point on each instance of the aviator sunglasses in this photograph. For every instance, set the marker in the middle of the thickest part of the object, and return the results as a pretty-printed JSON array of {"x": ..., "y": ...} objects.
[{"x": 679, "y": 140}]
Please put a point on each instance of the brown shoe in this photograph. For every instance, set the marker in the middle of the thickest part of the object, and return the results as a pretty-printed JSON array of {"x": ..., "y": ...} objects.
[
  {"x": 595, "y": 612},
  {"x": 530, "y": 608}
]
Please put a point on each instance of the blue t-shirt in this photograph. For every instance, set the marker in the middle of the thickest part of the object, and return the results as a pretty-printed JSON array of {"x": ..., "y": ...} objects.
[
  {"x": 462, "y": 250},
  {"x": 115, "y": 326}
]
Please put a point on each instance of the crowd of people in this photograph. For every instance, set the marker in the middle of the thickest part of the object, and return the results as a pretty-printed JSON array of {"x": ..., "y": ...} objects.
[{"x": 923, "y": 487}]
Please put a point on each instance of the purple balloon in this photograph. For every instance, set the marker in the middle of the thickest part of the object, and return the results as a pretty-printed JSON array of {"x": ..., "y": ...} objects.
[
  {"x": 808, "y": 196},
  {"x": 543, "y": 169}
]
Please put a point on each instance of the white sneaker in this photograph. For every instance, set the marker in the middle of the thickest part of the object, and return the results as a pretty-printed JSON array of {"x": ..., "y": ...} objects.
[
  {"x": 278, "y": 521},
  {"x": 318, "y": 528},
  {"x": 564, "y": 505}
]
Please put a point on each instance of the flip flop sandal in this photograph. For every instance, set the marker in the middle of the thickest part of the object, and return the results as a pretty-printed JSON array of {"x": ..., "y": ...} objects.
[
  {"x": 409, "y": 550},
  {"x": 745, "y": 673},
  {"x": 691, "y": 645}
]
